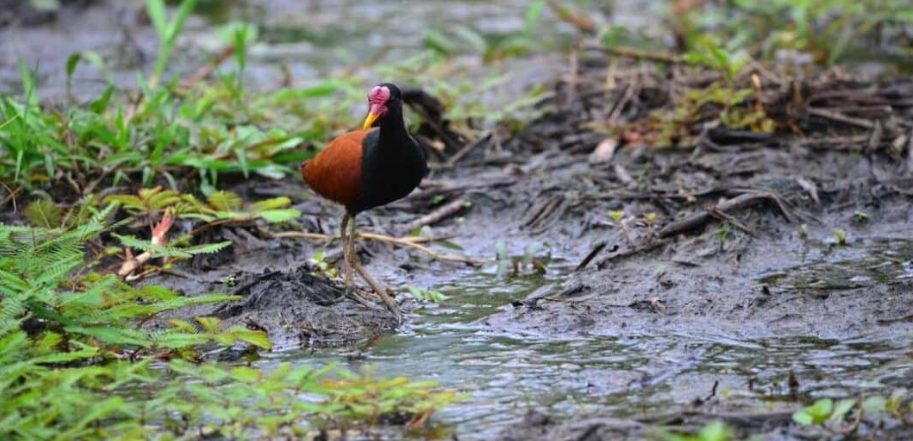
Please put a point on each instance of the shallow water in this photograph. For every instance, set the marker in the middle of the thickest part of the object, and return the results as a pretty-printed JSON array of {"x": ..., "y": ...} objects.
[{"x": 626, "y": 375}]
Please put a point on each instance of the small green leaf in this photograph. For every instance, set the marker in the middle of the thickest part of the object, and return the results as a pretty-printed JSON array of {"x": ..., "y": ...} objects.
[
  {"x": 280, "y": 216},
  {"x": 715, "y": 431},
  {"x": 210, "y": 324},
  {"x": 72, "y": 62},
  {"x": 874, "y": 404},
  {"x": 246, "y": 374},
  {"x": 843, "y": 407}
]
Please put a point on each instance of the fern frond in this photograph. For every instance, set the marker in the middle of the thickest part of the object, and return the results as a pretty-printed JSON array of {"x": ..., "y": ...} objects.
[
  {"x": 208, "y": 248},
  {"x": 271, "y": 204},
  {"x": 224, "y": 201}
]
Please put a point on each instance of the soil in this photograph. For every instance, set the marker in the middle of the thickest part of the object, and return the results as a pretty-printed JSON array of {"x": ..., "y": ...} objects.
[
  {"x": 743, "y": 247},
  {"x": 771, "y": 268}
]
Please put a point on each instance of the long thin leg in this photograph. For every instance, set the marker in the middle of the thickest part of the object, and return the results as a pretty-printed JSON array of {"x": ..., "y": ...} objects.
[
  {"x": 381, "y": 292},
  {"x": 347, "y": 261}
]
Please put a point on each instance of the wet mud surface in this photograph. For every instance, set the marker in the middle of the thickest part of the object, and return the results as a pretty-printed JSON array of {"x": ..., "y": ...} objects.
[
  {"x": 743, "y": 317},
  {"x": 737, "y": 302}
]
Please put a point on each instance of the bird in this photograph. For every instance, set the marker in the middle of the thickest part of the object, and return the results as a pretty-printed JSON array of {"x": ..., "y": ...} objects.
[{"x": 368, "y": 168}]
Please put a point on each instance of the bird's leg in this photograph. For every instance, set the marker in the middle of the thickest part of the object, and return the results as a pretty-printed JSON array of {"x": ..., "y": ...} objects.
[
  {"x": 347, "y": 261},
  {"x": 381, "y": 292}
]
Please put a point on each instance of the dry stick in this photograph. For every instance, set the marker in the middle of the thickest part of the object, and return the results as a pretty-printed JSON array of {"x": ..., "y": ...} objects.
[
  {"x": 839, "y": 117},
  {"x": 327, "y": 237},
  {"x": 698, "y": 220},
  {"x": 439, "y": 214},
  {"x": 409, "y": 242},
  {"x": 434, "y": 254},
  {"x": 11, "y": 195},
  {"x": 733, "y": 221},
  {"x": 466, "y": 149},
  {"x": 631, "y": 251}
]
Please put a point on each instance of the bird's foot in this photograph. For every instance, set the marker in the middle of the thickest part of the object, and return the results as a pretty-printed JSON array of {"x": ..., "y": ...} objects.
[{"x": 352, "y": 293}]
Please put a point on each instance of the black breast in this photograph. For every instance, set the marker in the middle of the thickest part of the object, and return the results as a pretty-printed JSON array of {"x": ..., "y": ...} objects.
[{"x": 390, "y": 170}]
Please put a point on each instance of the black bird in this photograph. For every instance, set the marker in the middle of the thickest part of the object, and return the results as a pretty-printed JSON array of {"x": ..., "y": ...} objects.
[{"x": 367, "y": 168}]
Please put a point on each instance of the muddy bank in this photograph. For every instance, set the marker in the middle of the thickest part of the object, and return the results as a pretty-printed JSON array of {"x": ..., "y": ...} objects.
[
  {"x": 283, "y": 294},
  {"x": 773, "y": 277}
]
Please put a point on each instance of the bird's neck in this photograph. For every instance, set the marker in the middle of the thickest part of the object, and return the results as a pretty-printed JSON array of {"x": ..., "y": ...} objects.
[{"x": 393, "y": 131}]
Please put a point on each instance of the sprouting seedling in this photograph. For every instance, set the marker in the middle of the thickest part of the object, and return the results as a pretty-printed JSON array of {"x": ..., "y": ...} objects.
[
  {"x": 319, "y": 261},
  {"x": 618, "y": 217},
  {"x": 723, "y": 235},
  {"x": 860, "y": 217},
  {"x": 840, "y": 236},
  {"x": 823, "y": 411},
  {"x": 650, "y": 220}
]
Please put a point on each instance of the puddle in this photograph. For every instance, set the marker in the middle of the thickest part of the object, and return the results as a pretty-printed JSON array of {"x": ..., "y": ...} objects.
[
  {"x": 621, "y": 375},
  {"x": 858, "y": 265}
]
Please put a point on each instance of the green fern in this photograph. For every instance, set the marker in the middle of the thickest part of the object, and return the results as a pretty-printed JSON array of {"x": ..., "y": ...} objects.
[{"x": 171, "y": 251}]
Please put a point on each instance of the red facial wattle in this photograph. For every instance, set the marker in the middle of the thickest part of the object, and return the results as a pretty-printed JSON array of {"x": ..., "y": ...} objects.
[{"x": 377, "y": 98}]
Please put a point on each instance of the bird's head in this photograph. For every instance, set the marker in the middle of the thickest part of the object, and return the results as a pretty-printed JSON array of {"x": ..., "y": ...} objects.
[{"x": 382, "y": 98}]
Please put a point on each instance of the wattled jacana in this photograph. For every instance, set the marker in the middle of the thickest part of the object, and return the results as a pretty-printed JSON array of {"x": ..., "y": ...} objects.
[{"x": 368, "y": 168}]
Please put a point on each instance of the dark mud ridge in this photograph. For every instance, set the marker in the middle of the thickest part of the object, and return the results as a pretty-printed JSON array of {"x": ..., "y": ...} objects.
[{"x": 294, "y": 306}]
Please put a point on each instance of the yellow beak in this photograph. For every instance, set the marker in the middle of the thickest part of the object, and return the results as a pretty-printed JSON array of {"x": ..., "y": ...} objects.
[{"x": 369, "y": 120}]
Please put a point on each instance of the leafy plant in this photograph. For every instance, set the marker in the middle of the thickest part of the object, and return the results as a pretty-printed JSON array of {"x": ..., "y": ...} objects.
[
  {"x": 840, "y": 236},
  {"x": 426, "y": 295},
  {"x": 728, "y": 63},
  {"x": 76, "y": 361},
  {"x": 219, "y": 206},
  {"x": 323, "y": 267},
  {"x": 621, "y": 221},
  {"x": 713, "y": 431},
  {"x": 168, "y": 31},
  {"x": 531, "y": 258},
  {"x": 823, "y": 411}
]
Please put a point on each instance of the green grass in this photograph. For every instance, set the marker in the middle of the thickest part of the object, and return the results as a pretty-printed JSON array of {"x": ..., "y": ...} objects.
[{"x": 76, "y": 361}]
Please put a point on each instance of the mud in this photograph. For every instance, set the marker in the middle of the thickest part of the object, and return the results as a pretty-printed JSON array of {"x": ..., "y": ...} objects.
[
  {"x": 628, "y": 329},
  {"x": 744, "y": 307}
]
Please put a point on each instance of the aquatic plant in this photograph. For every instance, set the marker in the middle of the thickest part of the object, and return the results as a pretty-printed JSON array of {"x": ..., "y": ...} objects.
[{"x": 426, "y": 295}]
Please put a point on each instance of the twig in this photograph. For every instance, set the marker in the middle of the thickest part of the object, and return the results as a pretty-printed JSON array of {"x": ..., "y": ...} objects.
[
  {"x": 434, "y": 254},
  {"x": 745, "y": 200},
  {"x": 408, "y": 242},
  {"x": 839, "y": 117},
  {"x": 631, "y": 252},
  {"x": 327, "y": 237},
  {"x": 592, "y": 254},
  {"x": 904, "y": 318},
  {"x": 11, "y": 195},
  {"x": 733, "y": 221},
  {"x": 466, "y": 149},
  {"x": 439, "y": 214}
]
